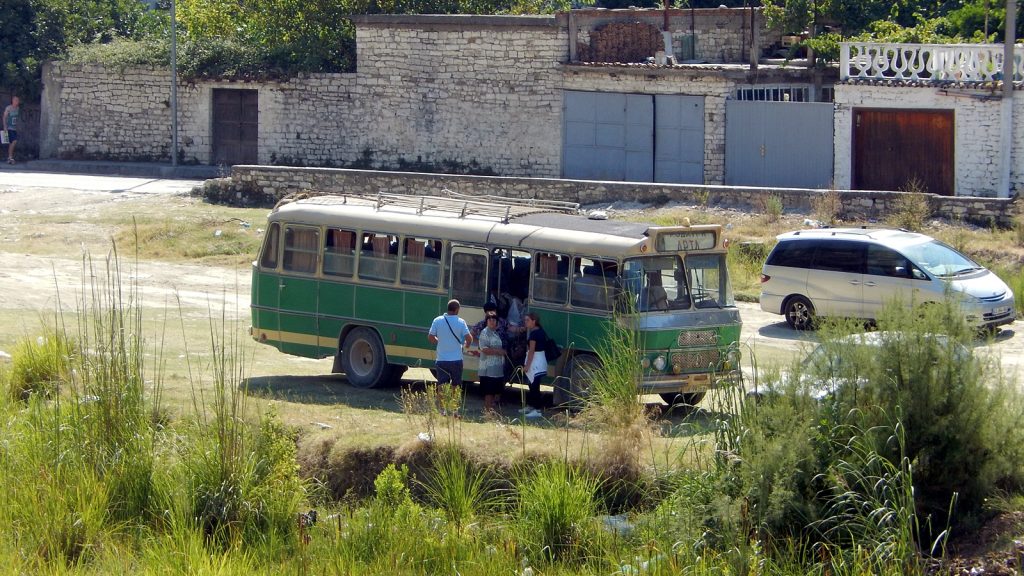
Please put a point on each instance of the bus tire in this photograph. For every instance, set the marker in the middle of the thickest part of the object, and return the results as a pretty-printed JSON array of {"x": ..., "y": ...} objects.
[
  {"x": 363, "y": 359},
  {"x": 583, "y": 368},
  {"x": 682, "y": 401}
]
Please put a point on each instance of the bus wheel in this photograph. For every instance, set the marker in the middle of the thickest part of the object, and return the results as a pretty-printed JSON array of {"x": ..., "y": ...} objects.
[
  {"x": 583, "y": 368},
  {"x": 363, "y": 360},
  {"x": 683, "y": 401}
]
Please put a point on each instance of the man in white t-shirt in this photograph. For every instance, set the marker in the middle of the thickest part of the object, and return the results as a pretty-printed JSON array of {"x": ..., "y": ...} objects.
[{"x": 452, "y": 337}]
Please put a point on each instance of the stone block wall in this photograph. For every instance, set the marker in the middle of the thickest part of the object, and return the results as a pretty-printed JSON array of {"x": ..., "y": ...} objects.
[
  {"x": 722, "y": 35},
  {"x": 270, "y": 183},
  {"x": 108, "y": 114},
  {"x": 433, "y": 91},
  {"x": 976, "y": 138}
]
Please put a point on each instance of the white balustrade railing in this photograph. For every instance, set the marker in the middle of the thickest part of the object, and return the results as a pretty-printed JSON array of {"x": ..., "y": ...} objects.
[{"x": 927, "y": 62}]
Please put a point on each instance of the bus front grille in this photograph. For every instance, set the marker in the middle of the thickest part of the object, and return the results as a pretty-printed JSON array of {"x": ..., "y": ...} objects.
[
  {"x": 696, "y": 360},
  {"x": 697, "y": 338}
]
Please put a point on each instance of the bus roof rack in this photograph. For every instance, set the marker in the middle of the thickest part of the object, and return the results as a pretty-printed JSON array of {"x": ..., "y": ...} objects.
[
  {"x": 458, "y": 205},
  {"x": 465, "y": 205}
]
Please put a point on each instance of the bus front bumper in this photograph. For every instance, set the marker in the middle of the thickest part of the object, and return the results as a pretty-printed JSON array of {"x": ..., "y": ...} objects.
[{"x": 687, "y": 383}]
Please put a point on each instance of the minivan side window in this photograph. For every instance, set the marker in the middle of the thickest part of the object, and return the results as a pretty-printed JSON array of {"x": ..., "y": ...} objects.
[
  {"x": 839, "y": 256},
  {"x": 794, "y": 254},
  {"x": 884, "y": 261}
]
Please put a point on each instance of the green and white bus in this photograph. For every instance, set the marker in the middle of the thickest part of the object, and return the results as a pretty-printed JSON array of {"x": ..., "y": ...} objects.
[{"x": 360, "y": 279}]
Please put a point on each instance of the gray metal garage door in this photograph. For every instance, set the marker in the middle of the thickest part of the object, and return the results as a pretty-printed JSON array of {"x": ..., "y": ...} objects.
[
  {"x": 633, "y": 137},
  {"x": 608, "y": 136},
  {"x": 679, "y": 139},
  {"x": 782, "y": 144}
]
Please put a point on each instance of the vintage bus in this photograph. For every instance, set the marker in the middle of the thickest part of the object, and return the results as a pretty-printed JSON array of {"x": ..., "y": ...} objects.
[{"x": 360, "y": 279}]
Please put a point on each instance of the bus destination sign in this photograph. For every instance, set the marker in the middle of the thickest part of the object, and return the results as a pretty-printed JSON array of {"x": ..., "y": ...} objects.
[{"x": 683, "y": 241}]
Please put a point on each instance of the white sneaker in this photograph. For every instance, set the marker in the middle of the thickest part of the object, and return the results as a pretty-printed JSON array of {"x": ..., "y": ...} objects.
[{"x": 534, "y": 413}]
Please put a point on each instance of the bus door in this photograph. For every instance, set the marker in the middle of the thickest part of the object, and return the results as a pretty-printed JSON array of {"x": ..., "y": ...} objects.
[{"x": 468, "y": 284}]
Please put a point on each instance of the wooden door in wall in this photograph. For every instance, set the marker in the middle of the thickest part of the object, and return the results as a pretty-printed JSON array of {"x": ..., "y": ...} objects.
[
  {"x": 904, "y": 150},
  {"x": 235, "y": 126}
]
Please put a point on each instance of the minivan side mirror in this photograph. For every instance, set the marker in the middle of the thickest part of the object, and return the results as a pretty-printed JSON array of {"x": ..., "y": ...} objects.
[{"x": 918, "y": 275}]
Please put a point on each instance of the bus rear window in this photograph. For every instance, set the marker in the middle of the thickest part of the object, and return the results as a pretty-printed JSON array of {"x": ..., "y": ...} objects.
[
  {"x": 271, "y": 246},
  {"x": 301, "y": 247}
]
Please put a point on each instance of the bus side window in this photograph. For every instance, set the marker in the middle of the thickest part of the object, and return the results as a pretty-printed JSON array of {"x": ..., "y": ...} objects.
[
  {"x": 593, "y": 284},
  {"x": 301, "y": 247},
  {"x": 469, "y": 278},
  {"x": 339, "y": 252},
  {"x": 271, "y": 246},
  {"x": 376, "y": 261},
  {"x": 421, "y": 265},
  {"x": 551, "y": 282}
]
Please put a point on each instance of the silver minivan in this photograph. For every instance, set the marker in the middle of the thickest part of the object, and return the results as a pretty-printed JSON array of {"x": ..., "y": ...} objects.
[{"x": 854, "y": 272}]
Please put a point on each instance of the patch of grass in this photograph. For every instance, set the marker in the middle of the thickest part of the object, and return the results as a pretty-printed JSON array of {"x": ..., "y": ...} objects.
[
  {"x": 555, "y": 513},
  {"x": 39, "y": 365},
  {"x": 205, "y": 239}
]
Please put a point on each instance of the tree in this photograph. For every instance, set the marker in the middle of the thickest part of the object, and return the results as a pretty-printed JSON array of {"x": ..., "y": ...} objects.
[{"x": 38, "y": 30}]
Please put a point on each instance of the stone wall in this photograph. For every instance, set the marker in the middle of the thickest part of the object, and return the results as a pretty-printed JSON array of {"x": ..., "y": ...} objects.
[
  {"x": 108, "y": 114},
  {"x": 976, "y": 137},
  {"x": 463, "y": 92},
  {"x": 273, "y": 183},
  {"x": 722, "y": 34}
]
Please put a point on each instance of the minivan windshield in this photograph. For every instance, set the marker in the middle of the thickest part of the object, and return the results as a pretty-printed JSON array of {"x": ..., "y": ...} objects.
[{"x": 939, "y": 259}]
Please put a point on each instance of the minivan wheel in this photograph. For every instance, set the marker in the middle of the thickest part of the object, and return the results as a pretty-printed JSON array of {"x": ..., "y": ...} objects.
[{"x": 799, "y": 313}]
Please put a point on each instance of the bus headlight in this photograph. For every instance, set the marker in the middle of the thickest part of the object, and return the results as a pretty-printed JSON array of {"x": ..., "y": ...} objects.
[
  {"x": 732, "y": 359},
  {"x": 660, "y": 363},
  {"x": 645, "y": 363}
]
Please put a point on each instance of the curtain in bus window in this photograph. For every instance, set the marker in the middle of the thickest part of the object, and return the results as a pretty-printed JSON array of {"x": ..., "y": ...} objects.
[
  {"x": 469, "y": 278},
  {"x": 339, "y": 252},
  {"x": 419, "y": 269},
  {"x": 377, "y": 262},
  {"x": 301, "y": 246}
]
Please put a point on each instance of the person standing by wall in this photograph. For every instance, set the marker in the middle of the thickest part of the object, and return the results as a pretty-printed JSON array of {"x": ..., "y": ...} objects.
[
  {"x": 451, "y": 335},
  {"x": 10, "y": 123}
]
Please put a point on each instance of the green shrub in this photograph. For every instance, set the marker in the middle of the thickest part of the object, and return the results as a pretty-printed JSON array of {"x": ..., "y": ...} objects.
[
  {"x": 123, "y": 53},
  {"x": 910, "y": 210},
  {"x": 458, "y": 487},
  {"x": 556, "y": 509},
  {"x": 40, "y": 365}
]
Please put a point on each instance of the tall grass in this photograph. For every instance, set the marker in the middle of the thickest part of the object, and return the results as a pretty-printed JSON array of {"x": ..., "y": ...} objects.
[{"x": 555, "y": 512}]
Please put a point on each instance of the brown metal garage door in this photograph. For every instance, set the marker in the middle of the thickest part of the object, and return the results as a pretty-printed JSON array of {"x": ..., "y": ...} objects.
[
  {"x": 894, "y": 149},
  {"x": 235, "y": 126}
]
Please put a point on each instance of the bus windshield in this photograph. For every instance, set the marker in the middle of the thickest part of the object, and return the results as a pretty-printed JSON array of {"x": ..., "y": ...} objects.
[
  {"x": 656, "y": 283},
  {"x": 663, "y": 283}
]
